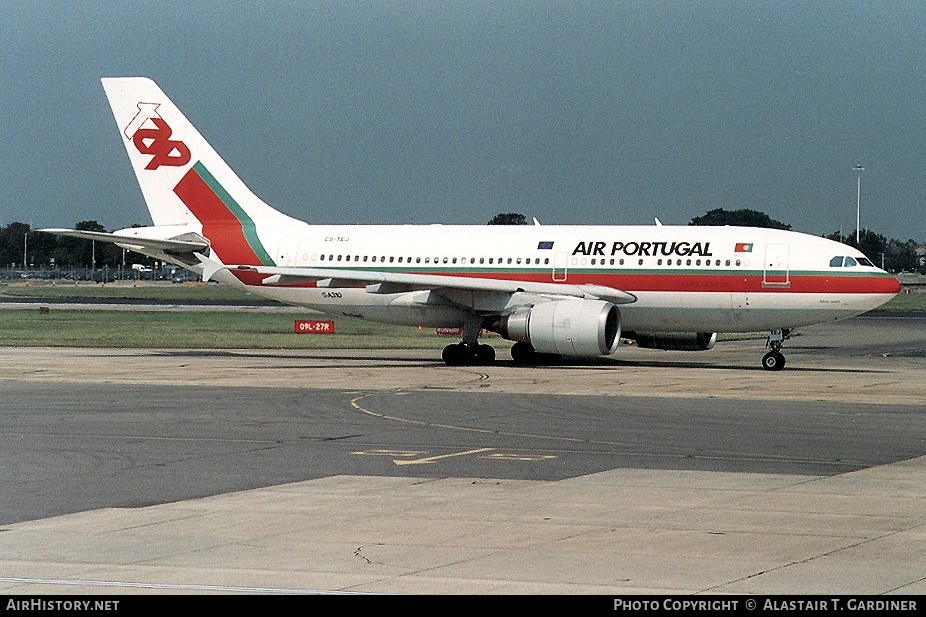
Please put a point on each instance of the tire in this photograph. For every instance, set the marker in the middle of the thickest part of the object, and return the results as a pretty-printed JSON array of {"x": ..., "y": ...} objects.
[
  {"x": 773, "y": 361},
  {"x": 522, "y": 353},
  {"x": 485, "y": 354},
  {"x": 452, "y": 355}
]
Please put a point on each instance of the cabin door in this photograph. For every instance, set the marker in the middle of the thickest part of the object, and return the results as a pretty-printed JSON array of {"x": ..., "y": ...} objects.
[
  {"x": 287, "y": 252},
  {"x": 775, "y": 272},
  {"x": 560, "y": 261}
]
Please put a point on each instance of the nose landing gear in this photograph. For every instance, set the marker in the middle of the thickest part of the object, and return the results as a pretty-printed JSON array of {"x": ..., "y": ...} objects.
[{"x": 774, "y": 360}]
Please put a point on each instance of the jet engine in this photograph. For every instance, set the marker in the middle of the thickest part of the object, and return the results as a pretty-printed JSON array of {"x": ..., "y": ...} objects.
[
  {"x": 674, "y": 341},
  {"x": 577, "y": 328}
]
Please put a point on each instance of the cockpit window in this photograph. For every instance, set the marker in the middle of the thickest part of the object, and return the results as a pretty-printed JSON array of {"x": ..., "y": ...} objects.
[{"x": 845, "y": 261}]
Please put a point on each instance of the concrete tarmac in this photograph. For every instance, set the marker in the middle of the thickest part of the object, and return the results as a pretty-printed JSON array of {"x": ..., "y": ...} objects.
[{"x": 385, "y": 472}]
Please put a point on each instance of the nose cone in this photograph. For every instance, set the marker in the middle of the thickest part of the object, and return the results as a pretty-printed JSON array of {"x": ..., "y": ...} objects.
[
  {"x": 879, "y": 290},
  {"x": 882, "y": 283},
  {"x": 894, "y": 286}
]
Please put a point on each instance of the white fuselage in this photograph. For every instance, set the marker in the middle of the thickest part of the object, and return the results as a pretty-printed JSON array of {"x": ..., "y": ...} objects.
[{"x": 686, "y": 279}]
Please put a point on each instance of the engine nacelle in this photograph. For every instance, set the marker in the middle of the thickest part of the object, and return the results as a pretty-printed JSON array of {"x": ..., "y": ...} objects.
[
  {"x": 674, "y": 341},
  {"x": 578, "y": 328}
]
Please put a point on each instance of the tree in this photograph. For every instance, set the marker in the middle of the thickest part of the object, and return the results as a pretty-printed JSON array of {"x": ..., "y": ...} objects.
[
  {"x": 13, "y": 243},
  {"x": 744, "y": 218},
  {"x": 84, "y": 253},
  {"x": 41, "y": 249},
  {"x": 901, "y": 256},
  {"x": 509, "y": 218}
]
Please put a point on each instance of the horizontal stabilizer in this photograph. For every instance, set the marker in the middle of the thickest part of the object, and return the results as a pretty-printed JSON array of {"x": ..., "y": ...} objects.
[{"x": 133, "y": 242}]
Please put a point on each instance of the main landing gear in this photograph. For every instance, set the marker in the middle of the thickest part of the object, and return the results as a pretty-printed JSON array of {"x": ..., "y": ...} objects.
[
  {"x": 469, "y": 352},
  {"x": 775, "y": 360}
]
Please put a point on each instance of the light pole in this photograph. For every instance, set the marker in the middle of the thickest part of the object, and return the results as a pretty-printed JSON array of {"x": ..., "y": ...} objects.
[{"x": 858, "y": 169}]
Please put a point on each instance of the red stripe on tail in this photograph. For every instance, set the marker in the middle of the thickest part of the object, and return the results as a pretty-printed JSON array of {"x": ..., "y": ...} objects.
[{"x": 224, "y": 230}]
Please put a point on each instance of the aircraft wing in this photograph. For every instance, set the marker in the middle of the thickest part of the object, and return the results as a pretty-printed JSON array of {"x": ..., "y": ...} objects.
[
  {"x": 396, "y": 282},
  {"x": 137, "y": 243}
]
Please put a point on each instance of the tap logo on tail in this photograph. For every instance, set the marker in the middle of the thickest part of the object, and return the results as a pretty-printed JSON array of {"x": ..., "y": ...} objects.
[{"x": 151, "y": 135}]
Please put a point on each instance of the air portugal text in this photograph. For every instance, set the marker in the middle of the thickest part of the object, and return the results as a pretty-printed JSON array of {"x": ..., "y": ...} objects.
[{"x": 645, "y": 249}]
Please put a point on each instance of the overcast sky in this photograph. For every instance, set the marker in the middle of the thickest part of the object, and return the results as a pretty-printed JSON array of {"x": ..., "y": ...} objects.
[{"x": 451, "y": 112}]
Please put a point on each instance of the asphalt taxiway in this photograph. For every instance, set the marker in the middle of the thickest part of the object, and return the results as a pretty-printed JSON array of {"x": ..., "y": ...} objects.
[{"x": 347, "y": 471}]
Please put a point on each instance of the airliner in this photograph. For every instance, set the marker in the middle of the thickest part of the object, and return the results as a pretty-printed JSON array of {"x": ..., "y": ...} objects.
[{"x": 557, "y": 291}]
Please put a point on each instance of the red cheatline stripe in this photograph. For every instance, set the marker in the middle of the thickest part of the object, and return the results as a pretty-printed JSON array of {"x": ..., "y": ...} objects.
[{"x": 663, "y": 282}]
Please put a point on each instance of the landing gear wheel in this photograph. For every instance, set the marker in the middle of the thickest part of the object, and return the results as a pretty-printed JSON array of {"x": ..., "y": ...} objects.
[
  {"x": 522, "y": 353},
  {"x": 452, "y": 355},
  {"x": 461, "y": 354},
  {"x": 773, "y": 361}
]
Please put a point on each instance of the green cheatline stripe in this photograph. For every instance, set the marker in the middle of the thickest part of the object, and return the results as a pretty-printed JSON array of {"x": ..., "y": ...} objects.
[
  {"x": 576, "y": 271},
  {"x": 247, "y": 225}
]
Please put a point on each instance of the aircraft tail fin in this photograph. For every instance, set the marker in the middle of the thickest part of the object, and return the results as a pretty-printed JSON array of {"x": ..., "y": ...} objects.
[{"x": 184, "y": 181}]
